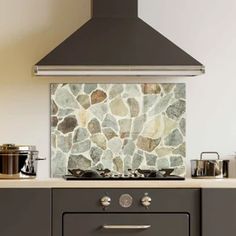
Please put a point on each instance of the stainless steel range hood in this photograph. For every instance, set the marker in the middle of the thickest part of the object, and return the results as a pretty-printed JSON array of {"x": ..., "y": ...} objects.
[{"x": 116, "y": 42}]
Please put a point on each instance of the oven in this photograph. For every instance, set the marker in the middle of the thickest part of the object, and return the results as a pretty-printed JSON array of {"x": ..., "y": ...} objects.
[{"x": 124, "y": 212}]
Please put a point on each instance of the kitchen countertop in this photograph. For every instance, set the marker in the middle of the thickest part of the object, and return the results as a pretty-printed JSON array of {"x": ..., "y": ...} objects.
[{"x": 61, "y": 183}]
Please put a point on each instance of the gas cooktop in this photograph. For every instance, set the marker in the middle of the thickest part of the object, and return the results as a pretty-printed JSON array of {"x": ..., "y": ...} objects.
[{"x": 106, "y": 174}]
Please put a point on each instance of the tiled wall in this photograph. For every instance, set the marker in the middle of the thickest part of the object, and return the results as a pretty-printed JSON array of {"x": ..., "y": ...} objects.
[{"x": 117, "y": 126}]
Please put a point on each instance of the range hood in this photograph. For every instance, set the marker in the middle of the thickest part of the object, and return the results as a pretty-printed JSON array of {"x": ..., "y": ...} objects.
[{"x": 115, "y": 41}]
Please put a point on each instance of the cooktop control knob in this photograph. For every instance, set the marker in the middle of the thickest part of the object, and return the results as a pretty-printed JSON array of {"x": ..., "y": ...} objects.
[
  {"x": 146, "y": 200},
  {"x": 105, "y": 201},
  {"x": 125, "y": 201}
]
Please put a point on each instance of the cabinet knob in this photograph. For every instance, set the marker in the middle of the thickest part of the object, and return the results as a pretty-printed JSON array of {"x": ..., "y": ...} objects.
[{"x": 105, "y": 201}]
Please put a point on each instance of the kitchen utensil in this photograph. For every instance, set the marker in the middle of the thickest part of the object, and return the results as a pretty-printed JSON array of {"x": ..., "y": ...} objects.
[
  {"x": 215, "y": 169},
  {"x": 18, "y": 160}
]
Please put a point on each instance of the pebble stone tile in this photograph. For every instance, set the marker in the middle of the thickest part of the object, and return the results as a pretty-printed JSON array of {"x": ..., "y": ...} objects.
[{"x": 118, "y": 126}]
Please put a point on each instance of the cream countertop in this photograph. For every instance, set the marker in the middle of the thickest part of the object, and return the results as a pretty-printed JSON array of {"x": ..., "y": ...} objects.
[{"x": 60, "y": 183}]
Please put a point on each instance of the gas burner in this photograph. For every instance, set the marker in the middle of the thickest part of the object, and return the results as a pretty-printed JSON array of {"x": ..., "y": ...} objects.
[
  {"x": 106, "y": 174},
  {"x": 85, "y": 173}
]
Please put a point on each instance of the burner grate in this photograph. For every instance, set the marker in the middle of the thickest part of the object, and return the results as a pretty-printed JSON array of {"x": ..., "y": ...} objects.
[
  {"x": 106, "y": 174},
  {"x": 74, "y": 178}
]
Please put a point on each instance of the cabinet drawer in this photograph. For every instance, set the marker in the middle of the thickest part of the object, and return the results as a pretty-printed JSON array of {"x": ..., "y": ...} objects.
[{"x": 125, "y": 224}]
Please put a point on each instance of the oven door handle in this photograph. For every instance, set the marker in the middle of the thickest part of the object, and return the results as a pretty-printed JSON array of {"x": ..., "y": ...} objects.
[{"x": 135, "y": 227}]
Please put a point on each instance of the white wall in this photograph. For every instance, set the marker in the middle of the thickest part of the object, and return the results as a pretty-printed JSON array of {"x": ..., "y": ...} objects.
[{"x": 204, "y": 28}]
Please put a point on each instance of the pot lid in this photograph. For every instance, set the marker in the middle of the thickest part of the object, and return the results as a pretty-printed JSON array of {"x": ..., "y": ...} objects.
[
  {"x": 17, "y": 148},
  {"x": 115, "y": 41}
]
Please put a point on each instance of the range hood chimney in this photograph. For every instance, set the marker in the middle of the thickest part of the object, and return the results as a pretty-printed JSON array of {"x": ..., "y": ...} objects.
[{"x": 116, "y": 42}]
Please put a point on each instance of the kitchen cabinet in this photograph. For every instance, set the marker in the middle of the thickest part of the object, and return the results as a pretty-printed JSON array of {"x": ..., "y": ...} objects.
[
  {"x": 25, "y": 212},
  {"x": 171, "y": 212},
  {"x": 71, "y": 211},
  {"x": 218, "y": 212}
]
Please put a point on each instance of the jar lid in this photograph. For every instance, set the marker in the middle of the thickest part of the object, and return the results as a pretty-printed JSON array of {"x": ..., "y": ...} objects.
[{"x": 17, "y": 148}]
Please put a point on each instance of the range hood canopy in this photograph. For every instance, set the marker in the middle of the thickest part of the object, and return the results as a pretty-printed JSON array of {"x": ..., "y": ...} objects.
[{"x": 116, "y": 42}]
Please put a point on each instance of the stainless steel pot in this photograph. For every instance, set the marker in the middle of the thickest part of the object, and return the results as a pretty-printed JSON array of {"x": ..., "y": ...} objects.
[
  {"x": 205, "y": 169},
  {"x": 16, "y": 159}
]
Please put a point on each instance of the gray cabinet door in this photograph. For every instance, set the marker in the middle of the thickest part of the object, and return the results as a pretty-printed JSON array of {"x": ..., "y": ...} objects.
[
  {"x": 25, "y": 212},
  {"x": 126, "y": 224},
  {"x": 218, "y": 212}
]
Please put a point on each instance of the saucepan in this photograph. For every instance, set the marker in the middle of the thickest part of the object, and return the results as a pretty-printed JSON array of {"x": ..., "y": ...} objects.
[
  {"x": 15, "y": 159},
  {"x": 208, "y": 168}
]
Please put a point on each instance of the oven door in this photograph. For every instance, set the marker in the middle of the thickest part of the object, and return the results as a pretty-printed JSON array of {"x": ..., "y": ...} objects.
[{"x": 142, "y": 224}]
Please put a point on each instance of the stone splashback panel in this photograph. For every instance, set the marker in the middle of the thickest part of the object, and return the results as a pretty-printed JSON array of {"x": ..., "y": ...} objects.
[{"x": 117, "y": 126}]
